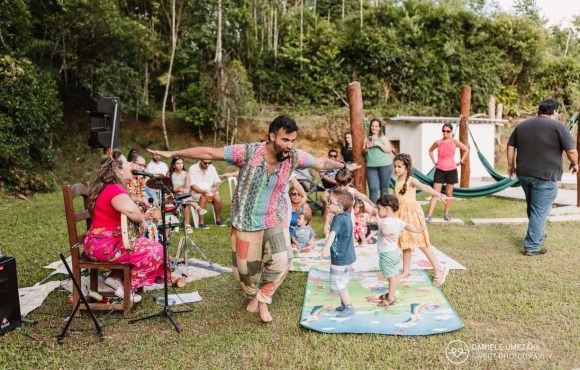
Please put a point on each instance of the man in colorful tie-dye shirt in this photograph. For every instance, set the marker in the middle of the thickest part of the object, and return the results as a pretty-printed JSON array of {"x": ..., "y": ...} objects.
[{"x": 261, "y": 247}]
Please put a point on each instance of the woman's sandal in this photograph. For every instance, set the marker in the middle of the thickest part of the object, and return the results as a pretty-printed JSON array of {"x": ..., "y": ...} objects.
[
  {"x": 439, "y": 277},
  {"x": 200, "y": 210}
]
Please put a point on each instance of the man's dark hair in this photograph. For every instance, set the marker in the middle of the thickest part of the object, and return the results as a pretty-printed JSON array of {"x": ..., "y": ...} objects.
[
  {"x": 547, "y": 107},
  {"x": 283, "y": 122},
  {"x": 332, "y": 151}
]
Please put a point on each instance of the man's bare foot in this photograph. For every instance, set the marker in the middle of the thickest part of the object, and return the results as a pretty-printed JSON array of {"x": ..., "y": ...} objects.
[
  {"x": 252, "y": 305},
  {"x": 264, "y": 312},
  {"x": 306, "y": 250}
]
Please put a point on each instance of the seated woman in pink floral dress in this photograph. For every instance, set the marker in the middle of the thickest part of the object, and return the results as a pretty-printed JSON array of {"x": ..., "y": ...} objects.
[{"x": 108, "y": 200}]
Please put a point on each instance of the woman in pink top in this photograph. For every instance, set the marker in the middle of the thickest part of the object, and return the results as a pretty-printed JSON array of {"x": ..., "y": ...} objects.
[
  {"x": 446, "y": 167},
  {"x": 108, "y": 200}
]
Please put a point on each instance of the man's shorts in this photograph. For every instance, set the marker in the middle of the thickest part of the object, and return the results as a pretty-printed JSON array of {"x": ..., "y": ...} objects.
[
  {"x": 445, "y": 177},
  {"x": 339, "y": 276}
]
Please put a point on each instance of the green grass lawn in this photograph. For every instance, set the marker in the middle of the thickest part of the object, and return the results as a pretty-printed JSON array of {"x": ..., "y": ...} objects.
[{"x": 503, "y": 297}]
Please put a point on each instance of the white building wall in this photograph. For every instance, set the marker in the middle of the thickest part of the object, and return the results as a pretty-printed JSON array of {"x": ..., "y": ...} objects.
[{"x": 416, "y": 138}]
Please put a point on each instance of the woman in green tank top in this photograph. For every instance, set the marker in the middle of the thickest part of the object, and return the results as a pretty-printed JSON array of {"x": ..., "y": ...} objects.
[{"x": 378, "y": 160}]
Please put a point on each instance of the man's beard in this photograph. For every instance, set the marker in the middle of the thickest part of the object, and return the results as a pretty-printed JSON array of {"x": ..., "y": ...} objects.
[{"x": 280, "y": 153}]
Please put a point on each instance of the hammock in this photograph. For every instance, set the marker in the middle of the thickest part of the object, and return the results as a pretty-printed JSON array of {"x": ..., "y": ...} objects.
[{"x": 502, "y": 183}]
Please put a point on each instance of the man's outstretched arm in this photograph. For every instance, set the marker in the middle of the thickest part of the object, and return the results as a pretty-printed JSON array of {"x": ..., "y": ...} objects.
[
  {"x": 200, "y": 152},
  {"x": 323, "y": 163}
]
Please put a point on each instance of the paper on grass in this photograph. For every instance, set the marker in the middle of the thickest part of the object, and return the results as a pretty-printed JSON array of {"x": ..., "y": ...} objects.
[{"x": 175, "y": 299}]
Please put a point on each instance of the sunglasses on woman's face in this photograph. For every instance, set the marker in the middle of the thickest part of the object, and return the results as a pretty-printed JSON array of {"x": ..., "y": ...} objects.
[
  {"x": 445, "y": 130},
  {"x": 294, "y": 194}
]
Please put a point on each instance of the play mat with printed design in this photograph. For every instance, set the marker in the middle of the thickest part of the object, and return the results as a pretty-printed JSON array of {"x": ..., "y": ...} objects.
[{"x": 420, "y": 308}]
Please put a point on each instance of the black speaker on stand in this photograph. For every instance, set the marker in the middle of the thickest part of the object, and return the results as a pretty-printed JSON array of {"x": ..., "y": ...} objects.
[
  {"x": 10, "y": 316},
  {"x": 105, "y": 114}
]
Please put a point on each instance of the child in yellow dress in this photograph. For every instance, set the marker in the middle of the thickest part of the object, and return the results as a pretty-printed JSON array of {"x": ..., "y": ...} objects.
[{"x": 411, "y": 213}]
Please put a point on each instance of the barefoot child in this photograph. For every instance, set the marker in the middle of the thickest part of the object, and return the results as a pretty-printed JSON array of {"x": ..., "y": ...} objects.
[
  {"x": 303, "y": 238},
  {"x": 340, "y": 246},
  {"x": 411, "y": 212},
  {"x": 389, "y": 256}
]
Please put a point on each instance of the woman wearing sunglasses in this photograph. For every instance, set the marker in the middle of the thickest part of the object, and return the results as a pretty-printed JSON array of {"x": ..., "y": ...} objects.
[{"x": 445, "y": 167}]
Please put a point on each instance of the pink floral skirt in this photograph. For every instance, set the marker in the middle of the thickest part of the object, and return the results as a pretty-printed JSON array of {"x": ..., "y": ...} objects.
[{"x": 106, "y": 244}]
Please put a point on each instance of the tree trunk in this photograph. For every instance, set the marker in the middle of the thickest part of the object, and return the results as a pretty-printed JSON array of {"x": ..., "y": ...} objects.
[
  {"x": 276, "y": 34},
  {"x": 256, "y": 19},
  {"x": 220, "y": 88},
  {"x": 171, "y": 58},
  {"x": 235, "y": 131},
  {"x": 145, "y": 97},
  {"x": 301, "y": 30},
  {"x": 314, "y": 13},
  {"x": 361, "y": 15},
  {"x": 387, "y": 91}
]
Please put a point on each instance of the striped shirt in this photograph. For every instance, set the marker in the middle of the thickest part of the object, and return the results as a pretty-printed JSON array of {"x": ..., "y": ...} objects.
[{"x": 259, "y": 201}]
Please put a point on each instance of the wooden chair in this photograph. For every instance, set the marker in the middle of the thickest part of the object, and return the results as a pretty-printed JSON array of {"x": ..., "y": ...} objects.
[{"x": 80, "y": 260}]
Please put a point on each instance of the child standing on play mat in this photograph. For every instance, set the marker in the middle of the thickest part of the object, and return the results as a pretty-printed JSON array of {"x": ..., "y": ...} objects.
[
  {"x": 340, "y": 247},
  {"x": 411, "y": 213},
  {"x": 389, "y": 256}
]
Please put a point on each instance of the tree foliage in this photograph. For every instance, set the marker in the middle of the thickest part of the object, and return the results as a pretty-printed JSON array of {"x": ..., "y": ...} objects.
[
  {"x": 411, "y": 57},
  {"x": 29, "y": 112}
]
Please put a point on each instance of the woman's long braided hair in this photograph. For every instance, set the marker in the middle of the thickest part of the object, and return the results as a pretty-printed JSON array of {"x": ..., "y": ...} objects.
[
  {"x": 108, "y": 172},
  {"x": 406, "y": 160}
]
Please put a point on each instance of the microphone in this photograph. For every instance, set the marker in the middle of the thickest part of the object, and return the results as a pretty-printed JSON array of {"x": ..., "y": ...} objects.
[{"x": 142, "y": 173}]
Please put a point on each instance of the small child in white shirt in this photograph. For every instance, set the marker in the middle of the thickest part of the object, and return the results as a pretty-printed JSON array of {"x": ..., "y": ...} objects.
[{"x": 389, "y": 254}]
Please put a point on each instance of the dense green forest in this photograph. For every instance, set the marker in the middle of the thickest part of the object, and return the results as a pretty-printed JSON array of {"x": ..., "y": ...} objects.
[{"x": 211, "y": 63}]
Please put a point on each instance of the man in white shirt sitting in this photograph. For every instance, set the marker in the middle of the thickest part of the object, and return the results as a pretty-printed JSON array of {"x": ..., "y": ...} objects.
[
  {"x": 155, "y": 167},
  {"x": 205, "y": 183}
]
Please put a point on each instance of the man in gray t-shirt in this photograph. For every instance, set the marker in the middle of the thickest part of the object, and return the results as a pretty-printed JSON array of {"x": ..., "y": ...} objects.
[{"x": 539, "y": 142}]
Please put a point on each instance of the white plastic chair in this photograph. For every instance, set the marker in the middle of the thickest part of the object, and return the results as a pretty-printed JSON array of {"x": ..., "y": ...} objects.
[{"x": 232, "y": 183}]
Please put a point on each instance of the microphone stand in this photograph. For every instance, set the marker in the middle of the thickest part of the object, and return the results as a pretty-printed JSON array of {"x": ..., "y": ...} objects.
[{"x": 166, "y": 310}]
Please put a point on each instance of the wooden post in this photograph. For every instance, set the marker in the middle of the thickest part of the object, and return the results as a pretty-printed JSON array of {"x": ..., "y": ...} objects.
[
  {"x": 357, "y": 131},
  {"x": 578, "y": 174},
  {"x": 499, "y": 111},
  {"x": 491, "y": 107},
  {"x": 463, "y": 134}
]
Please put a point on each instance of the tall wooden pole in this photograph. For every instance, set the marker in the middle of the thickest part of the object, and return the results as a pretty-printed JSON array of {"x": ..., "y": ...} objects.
[
  {"x": 463, "y": 135},
  {"x": 357, "y": 131},
  {"x": 578, "y": 174}
]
